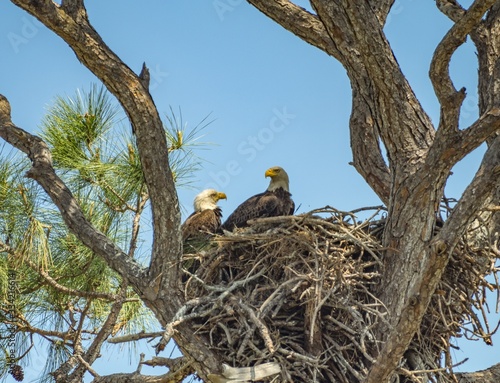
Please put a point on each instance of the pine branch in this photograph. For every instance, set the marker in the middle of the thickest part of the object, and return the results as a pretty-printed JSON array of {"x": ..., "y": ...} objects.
[
  {"x": 43, "y": 172},
  {"x": 53, "y": 283},
  {"x": 121, "y": 81}
]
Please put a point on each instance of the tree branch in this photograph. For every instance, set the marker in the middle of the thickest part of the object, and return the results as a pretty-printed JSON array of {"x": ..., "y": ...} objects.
[
  {"x": 134, "y": 337},
  {"x": 439, "y": 69},
  {"x": 377, "y": 80},
  {"x": 72, "y": 6},
  {"x": 367, "y": 156},
  {"x": 180, "y": 368},
  {"x": 451, "y": 144},
  {"x": 43, "y": 172},
  {"x": 172, "y": 364},
  {"x": 490, "y": 375},
  {"x": 477, "y": 195},
  {"x": 93, "y": 351},
  {"x": 478, "y": 132},
  {"x": 71, "y": 23},
  {"x": 298, "y": 21},
  {"x": 53, "y": 283},
  {"x": 450, "y": 147},
  {"x": 451, "y": 9},
  {"x": 27, "y": 327},
  {"x": 142, "y": 199},
  {"x": 486, "y": 38},
  {"x": 158, "y": 287}
]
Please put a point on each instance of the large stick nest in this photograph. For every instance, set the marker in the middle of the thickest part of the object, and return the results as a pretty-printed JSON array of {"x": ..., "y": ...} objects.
[{"x": 301, "y": 291}]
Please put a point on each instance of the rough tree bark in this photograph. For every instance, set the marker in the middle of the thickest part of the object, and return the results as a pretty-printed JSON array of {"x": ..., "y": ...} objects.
[
  {"x": 492, "y": 374},
  {"x": 420, "y": 156},
  {"x": 385, "y": 108},
  {"x": 157, "y": 284}
]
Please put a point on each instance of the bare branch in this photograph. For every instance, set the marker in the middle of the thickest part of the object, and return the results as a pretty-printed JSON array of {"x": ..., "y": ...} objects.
[
  {"x": 367, "y": 155},
  {"x": 138, "y": 378},
  {"x": 439, "y": 70},
  {"x": 144, "y": 76},
  {"x": 479, "y": 131},
  {"x": 298, "y": 21},
  {"x": 452, "y": 145},
  {"x": 490, "y": 375},
  {"x": 72, "y": 6},
  {"x": 451, "y": 8},
  {"x": 264, "y": 331},
  {"x": 141, "y": 203},
  {"x": 478, "y": 194},
  {"x": 27, "y": 327},
  {"x": 180, "y": 368},
  {"x": 87, "y": 366},
  {"x": 486, "y": 39},
  {"x": 450, "y": 99},
  {"x": 93, "y": 351},
  {"x": 173, "y": 364},
  {"x": 134, "y": 337}
]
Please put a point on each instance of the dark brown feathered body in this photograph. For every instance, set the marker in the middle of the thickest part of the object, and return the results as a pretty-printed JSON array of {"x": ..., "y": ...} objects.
[
  {"x": 275, "y": 201},
  {"x": 268, "y": 204},
  {"x": 199, "y": 227},
  {"x": 202, "y": 224}
]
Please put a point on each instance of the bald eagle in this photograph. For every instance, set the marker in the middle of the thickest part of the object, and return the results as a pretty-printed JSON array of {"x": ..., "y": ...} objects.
[
  {"x": 275, "y": 201},
  {"x": 206, "y": 218}
]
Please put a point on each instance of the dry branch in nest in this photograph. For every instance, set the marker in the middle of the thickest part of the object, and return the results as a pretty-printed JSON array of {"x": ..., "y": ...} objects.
[{"x": 298, "y": 290}]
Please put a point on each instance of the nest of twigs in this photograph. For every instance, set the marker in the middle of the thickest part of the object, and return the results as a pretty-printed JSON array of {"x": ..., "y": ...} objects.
[{"x": 300, "y": 291}]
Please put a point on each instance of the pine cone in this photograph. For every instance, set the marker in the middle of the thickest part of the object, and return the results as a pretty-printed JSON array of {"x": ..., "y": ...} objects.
[{"x": 17, "y": 372}]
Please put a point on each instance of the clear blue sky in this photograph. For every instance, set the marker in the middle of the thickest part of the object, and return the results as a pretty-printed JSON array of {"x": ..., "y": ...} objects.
[{"x": 275, "y": 100}]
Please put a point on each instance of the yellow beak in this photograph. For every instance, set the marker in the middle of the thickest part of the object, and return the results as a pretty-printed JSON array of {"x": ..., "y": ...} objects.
[
  {"x": 221, "y": 195},
  {"x": 270, "y": 173}
]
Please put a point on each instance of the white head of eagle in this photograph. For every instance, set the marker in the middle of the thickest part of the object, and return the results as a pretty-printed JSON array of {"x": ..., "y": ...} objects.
[{"x": 207, "y": 215}]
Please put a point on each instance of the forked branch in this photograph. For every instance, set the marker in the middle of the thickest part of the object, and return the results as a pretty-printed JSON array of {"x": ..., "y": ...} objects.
[{"x": 439, "y": 70}]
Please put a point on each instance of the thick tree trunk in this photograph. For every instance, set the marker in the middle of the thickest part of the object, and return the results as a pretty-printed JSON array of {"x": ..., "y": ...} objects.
[
  {"x": 385, "y": 108},
  {"x": 419, "y": 156}
]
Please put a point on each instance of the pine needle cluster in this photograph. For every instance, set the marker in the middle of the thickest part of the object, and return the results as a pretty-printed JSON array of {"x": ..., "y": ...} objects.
[{"x": 64, "y": 293}]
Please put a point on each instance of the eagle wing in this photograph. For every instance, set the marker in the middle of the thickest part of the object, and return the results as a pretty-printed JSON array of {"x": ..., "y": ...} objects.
[
  {"x": 202, "y": 224},
  {"x": 267, "y": 204}
]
